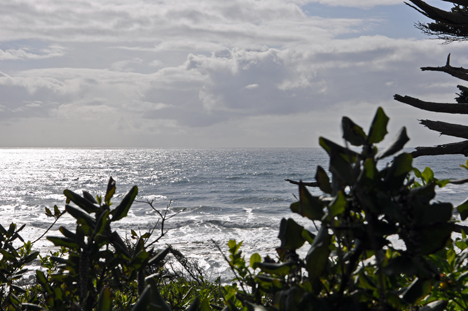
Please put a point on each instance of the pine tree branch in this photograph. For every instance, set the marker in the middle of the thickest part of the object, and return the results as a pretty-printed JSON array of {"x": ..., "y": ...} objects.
[
  {"x": 430, "y": 106},
  {"x": 458, "y": 72},
  {"x": 459, "y": 182},
  {"x": 307, "y": 184},
  {"x": 460, "y": 2},
  {"x": 453, "y": 148},
  {"x": 449, "y": 129},
  {"x": 438, "y": 14}
]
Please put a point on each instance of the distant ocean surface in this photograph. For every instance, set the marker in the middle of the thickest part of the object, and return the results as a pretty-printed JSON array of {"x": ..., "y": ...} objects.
[{"x": 225, "y": 194}]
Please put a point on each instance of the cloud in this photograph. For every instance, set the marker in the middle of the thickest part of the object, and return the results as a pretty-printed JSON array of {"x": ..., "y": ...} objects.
[
  {"x": 231, "y": 84},
  {"x": 354, "y": 3},
  {"x": 22, "y": 54},
  {"x": 126, "y": 65},
  {"x": 143, "y": 21},
  {"x": 145, "y": 69}
]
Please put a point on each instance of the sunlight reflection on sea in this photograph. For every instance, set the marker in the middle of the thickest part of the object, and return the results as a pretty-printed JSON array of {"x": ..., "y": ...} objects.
[{"x": 225, "y": 194}]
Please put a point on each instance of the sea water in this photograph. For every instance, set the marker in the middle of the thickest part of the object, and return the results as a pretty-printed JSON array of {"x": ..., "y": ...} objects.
[{"x": 213, "y": 195}]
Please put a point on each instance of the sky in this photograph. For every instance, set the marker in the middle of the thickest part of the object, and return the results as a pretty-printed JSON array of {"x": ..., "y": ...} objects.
[{"x": 214, "y": 74}]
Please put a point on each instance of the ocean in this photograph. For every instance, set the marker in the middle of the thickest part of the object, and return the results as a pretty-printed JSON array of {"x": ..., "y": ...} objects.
[{"x": 213, "y": 195}]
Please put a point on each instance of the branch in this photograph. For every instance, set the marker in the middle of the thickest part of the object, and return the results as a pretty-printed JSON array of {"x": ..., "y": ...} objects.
[
  {"x": 459, "y": 228},
  {"x": 438, "y": 14},
  {"x": 50, "y": 227},
  {"x": 163, "y": 217},
  {"x": 230, "y": 264},
  {"x": 452, "y": 148},
  {"x": 435, "y": 107},
  {"x": 458, "y": 72},
  {"x": 460, "y": 2},
  {"x": 308, "y": 184},
  {"x": 449, "y": 129},
  {"x": 459, "y": 182}
]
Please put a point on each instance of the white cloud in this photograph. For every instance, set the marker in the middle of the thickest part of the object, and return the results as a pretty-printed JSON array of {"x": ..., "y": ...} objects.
[
  {"x": 186, "y": 72},
  {"x": 178, "y": 24},
  {"x": 21, "y": 54},
  {"x": 251, "y": 86},
  {"x": 126, "y": 65},
  {"x": 355, "y": 3}
]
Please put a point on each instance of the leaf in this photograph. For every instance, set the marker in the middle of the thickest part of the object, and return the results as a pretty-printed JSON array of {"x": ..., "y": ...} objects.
[
  {"x": 353, "y": 133},
  {"x": 378, "y": 128},
  {"x": 140, "y": 258},
  {"x": 331, "y": 147},
  {"x": 195, "y": 304},
  {"x": 416, "y": 291},
  {"x": 402, "y": 164},
  {"x": 340, "y": 160},
  {"x": 323, "y": 181},
  {"x": 433, "y": 213},
  {"x": 122, "y": 209},
  {"x": 337, "y": 206},
  {"x": 89, "y": 197},
  {"x": 442, "y": 182},
  {"x": 48, "y": 212},
  {"x": 254, "y": 260},
  {"x": 465, "y": 166},
  {"x": 41, "y": 277},
  {"x": 80, "y": 201},
  {"x": 434, "y": 237},
  {"x": 43, "y": 281},
  {"x": 281, "y": 269},
  {"x": 62, "y": 241},
  {"x": 396, "y": 145},
  {"x": 8, "y": 256},
  {"x": 438, "y": 305},
  {"x": 308, "y": 236},
  {"x": 463, "y": 209},
  {"x": 428, "y": 175},
  {"x": 317, "y": 257},
  {"x": 417, "y": 173},
  {"x": 102, "y": 223},
  {"x": 68, "y": 233},
  {"x": 290, "y": 234},
  {"x": 370, "y": 171},
  {"x": 30, "y": 306},
  {"x": 407, "y": 265},
  {"x": 268, "y": 282},
  {"x": 308, "y": 206},
  {"x": 31, "y": 257},
  {"x": 398, "y": 171},
  {"x": 104, "y": 302},
  {"x": 57, "y": 212},
  {"x": 156, "y": 260},
  {"x": 144, "y": 301},
  {"x": 119, "y": 245},
  {"x": 58, "y": 294},
  {"x": 80, "y": 216},
  {"x": 110, "y": 190}
]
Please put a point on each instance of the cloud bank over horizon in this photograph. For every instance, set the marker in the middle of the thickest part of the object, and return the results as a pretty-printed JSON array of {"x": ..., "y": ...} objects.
[{"x": 209, "y": 74}]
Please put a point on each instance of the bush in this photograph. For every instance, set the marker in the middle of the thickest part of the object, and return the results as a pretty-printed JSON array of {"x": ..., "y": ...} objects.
[{"x": 351, "y": 263}]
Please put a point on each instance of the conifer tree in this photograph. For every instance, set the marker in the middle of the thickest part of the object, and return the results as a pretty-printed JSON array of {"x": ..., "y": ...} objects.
[{"x": 449, "y": 26}]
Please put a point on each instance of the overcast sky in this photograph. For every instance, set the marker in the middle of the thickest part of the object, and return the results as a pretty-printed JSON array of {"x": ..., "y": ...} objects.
[{"x": 213, "y": 74}]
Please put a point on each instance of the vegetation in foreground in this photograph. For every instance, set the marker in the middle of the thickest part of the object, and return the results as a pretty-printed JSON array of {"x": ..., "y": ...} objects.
[{"x": 350, "y": 265}]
